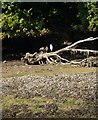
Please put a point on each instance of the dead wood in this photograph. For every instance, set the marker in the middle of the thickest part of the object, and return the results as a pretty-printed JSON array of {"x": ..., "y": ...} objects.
[{"x": 44, "y": 57}]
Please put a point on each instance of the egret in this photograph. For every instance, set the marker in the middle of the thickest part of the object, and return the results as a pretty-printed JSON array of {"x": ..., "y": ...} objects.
[{"x": 51, "y": 47}]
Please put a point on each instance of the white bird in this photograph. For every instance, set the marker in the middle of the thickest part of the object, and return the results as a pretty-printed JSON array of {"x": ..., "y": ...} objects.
[{"x": 51, "y": 47}]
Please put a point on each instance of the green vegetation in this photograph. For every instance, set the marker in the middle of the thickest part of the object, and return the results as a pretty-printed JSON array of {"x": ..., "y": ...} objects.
[
  {"x": 71, "y": 103},
  {"x": 88, "y": 14},
  {"x": 20, "y": 20},
  {"x": 39, "y": 19},
  {"x": 34, "y": 104}
]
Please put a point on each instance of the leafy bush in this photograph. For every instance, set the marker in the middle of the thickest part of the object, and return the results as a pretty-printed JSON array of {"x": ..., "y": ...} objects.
[
  {"x": 88, "y": 15},
  {"x": 18, "y": 21}
]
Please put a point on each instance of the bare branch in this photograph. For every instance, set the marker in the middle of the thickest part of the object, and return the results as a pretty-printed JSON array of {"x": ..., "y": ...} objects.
[
  {"x": 81, "y": 41},
  {"x": 83, "y": 50},
  {"x": 76, "y": 43}
]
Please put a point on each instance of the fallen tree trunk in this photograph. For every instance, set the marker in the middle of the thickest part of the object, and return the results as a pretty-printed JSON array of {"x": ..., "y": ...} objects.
[{"x": 54, "y": 57}]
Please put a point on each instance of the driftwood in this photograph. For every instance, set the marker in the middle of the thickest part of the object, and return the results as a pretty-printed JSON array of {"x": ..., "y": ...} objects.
[{"x": 54, "y": 57}]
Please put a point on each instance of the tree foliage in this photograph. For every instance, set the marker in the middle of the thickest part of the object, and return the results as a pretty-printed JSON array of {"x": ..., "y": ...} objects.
[
  {"x": 38, "y": 19},
  {"x": 88, "y": 15},
  {"x": 18, "y": 20}
]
